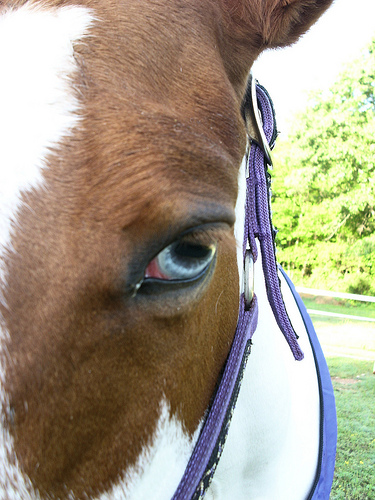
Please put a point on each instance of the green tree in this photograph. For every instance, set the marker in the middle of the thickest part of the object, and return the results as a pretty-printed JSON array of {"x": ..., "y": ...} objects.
[{"x": 324, "y": 185}]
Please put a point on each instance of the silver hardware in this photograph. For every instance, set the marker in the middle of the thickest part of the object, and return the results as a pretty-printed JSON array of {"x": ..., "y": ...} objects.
[
  {"x": 255, "y": 128},
  {"x": 247, "y": 166},
  {"x": 248, "y": 277}
]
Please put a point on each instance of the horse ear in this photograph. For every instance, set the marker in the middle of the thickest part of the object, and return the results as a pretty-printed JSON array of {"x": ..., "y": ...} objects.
[{"x": 273, "y": 23}]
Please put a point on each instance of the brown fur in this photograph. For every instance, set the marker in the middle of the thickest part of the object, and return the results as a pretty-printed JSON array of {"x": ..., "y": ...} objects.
[{"x": 157, "y": 153}]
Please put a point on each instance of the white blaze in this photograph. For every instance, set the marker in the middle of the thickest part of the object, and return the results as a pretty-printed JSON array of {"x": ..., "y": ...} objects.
[
  {"x": 37, "y": 107},
  {"x": 37, "y": 111}
]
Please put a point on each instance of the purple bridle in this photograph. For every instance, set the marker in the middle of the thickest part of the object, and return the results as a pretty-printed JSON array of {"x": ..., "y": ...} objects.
[{"x": 208, "y": 449}]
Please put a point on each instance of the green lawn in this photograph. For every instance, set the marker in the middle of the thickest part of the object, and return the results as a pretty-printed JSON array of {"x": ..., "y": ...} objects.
[
  {"x": 341, "y": 306},
  {"x": 349, "y": 347},
  {"x": 344, "y": 337},
  {"x": 354, "y": 386}
]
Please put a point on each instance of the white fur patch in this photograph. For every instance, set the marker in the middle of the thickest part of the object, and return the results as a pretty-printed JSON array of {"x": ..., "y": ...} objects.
[
  {"x": 159, "y": 468},
  {"x": 37, "y": 110},
  {"x": 37, "y": 107},
  {"x": 272, "y": 446}
]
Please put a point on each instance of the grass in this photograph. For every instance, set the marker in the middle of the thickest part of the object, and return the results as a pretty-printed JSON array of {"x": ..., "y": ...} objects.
[
  {"x": 342, "y": 341},
  {"x": 341, "y": 306},
  {"x": 354, "y": 386},
  {"x": 344, "y": 337}
]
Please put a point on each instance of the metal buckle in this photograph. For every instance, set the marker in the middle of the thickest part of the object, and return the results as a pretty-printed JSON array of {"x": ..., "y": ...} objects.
[
  {"x": 258, "y": 135},
  {"x": 248, "y": 277}
]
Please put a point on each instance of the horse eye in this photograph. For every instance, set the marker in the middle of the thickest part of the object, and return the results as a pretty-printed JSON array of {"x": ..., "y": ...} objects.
[{"x": 181, "y": 261}]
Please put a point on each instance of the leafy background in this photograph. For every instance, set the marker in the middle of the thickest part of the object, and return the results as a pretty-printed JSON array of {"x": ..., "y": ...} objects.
[{"x": 324, "y": 186}]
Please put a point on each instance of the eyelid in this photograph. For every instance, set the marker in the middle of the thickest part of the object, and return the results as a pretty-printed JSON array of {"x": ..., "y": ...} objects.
[{"x": 205, "y": 235}]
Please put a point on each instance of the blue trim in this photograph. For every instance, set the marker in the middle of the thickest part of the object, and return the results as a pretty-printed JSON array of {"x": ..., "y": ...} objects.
[{"x": 328, "y": 424}]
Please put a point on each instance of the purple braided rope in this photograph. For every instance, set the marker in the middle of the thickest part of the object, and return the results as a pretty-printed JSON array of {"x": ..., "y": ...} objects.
[
  {"x": 195, "y": 472},
  {"x": 259, "y": 224},
  {"x": 206, "y": 454}
]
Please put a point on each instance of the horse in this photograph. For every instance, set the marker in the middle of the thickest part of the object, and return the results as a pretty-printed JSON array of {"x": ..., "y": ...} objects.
[{"x": 122, "y": 279}]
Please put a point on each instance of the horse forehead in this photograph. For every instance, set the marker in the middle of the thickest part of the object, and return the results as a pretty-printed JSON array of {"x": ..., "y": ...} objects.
[
  {"x": 167, "y": 103},
  {"x": 126, "y": 107}
]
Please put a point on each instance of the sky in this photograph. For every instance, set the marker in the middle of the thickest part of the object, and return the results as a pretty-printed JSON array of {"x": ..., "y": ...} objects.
[{"x": 316, "y": 60}]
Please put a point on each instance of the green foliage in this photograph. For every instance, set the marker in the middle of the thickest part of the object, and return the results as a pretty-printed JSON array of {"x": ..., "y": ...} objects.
[{"x": 324, "y": 184}]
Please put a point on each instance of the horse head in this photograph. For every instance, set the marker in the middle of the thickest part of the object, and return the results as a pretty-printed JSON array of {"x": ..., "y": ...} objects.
[{"x": 122, "y": 139}]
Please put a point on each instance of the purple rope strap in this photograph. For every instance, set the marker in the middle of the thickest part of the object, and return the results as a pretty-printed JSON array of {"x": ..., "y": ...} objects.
[
  {"x": 203, "y": 462},
  {"x": 208, "y": 449},
  {"x": 258, "y": 224}
]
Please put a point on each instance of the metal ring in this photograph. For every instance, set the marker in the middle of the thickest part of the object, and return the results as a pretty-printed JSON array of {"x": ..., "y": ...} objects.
[{"x": 248, "y": 278}]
